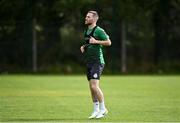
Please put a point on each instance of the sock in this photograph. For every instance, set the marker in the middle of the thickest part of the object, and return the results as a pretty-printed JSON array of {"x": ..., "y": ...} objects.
[
  {"x": 102, "y": 106},
  {"x": 96, "y": 106}
]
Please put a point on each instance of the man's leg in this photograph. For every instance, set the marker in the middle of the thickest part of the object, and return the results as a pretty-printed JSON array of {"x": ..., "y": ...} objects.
[
  {"x": 95, "y": 90},
  {"x": 93, "y": 74},
  {"x": 97, "y": 93},
  {"x": 95, "y": 102}
]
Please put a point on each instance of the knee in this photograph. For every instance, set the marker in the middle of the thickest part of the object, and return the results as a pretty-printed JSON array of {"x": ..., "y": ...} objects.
[{"x": 93, "y": 87}]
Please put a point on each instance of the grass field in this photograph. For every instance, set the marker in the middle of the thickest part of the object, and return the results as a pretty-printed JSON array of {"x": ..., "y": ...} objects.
[{"x": 67, "y": 98}]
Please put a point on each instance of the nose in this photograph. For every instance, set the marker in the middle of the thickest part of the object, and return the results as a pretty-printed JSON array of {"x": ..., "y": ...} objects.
[{"x": 86, "y": 17}]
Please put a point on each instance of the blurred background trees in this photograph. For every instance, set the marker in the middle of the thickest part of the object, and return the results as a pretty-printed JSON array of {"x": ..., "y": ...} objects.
[{"x": 45, "y": 35}]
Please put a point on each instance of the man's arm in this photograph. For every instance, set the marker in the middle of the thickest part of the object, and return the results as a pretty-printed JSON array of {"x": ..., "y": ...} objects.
[{"x": 104, "y": 42}]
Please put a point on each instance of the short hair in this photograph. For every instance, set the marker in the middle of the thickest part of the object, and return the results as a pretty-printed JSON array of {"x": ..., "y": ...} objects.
[{"x": 95, "y": 14}]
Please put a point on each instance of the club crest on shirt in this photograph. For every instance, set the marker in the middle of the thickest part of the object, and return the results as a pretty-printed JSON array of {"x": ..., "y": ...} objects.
[{"x": 95, "y": 75}]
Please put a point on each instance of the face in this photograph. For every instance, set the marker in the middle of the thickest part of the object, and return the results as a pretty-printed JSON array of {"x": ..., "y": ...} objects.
[{"x": 89, "y": 19}]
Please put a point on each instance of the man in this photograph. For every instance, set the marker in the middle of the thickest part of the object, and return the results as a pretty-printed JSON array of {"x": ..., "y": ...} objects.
[{"x": 94, "y": 38}]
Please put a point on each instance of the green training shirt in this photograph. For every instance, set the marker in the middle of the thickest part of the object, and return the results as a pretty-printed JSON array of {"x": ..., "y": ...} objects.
[{"x": 94, "y": 52}]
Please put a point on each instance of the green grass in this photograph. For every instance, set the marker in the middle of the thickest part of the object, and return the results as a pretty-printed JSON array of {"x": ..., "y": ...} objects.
[{"x": 67, "y": 98}]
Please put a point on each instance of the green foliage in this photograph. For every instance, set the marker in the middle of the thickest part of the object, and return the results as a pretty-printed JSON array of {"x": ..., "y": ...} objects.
[{"x": 152, "y": 32}]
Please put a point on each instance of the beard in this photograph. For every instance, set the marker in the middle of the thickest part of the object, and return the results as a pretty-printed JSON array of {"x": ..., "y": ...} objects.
[{"x": 87, "y": 23}]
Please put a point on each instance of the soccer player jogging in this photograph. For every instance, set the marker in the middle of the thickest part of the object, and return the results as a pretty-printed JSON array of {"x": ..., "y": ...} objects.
[{"x": 94, "y": 39}]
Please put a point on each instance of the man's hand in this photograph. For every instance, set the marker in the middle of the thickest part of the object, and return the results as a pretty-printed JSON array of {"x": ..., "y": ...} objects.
[
  {"x": 82, "y": 48},
  {"x": 93, "y": 41}
]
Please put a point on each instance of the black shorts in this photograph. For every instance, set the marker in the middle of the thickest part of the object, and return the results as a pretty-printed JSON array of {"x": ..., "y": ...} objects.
[{"x": 94, "y": 70}]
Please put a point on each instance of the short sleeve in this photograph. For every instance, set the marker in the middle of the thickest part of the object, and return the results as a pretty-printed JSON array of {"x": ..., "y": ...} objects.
[{"x": 102, "y": 35}]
